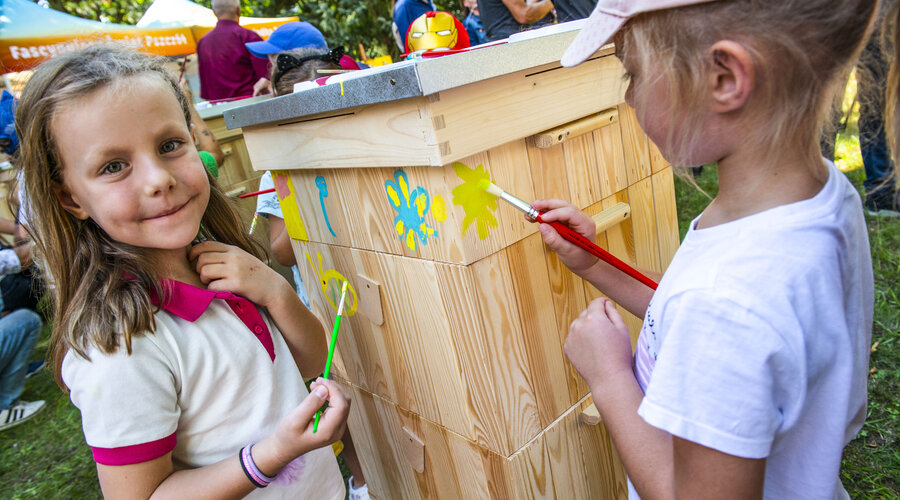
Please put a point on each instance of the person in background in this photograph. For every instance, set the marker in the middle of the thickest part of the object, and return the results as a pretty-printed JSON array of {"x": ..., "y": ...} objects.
[
  {"x": 404, "y": 13},
  {"x": 472, "y": 22},
  {"x": 20, "y": 328},
  {"x": 570, "y": 10},
  {"x": 881, "y": 197},
  {"x": 225, "y": 67},
  {"x": 296, "y": 39},
  {"x": 502, "y": 18}
]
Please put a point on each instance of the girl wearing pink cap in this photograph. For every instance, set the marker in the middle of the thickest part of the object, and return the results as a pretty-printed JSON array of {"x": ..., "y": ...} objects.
[{"x": 749, "y": 374}]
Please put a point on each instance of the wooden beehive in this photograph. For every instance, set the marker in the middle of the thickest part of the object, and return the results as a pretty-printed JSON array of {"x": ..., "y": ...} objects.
[{"x": 458, "y": 312}]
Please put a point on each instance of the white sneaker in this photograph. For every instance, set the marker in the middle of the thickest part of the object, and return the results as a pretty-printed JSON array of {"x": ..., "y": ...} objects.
[
  {"x": 361, "y": 493},
  {"x": 18, "y": 413}
]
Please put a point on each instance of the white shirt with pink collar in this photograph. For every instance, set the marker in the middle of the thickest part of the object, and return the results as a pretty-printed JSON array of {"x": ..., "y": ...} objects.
[{"x": 215, "y": 376}]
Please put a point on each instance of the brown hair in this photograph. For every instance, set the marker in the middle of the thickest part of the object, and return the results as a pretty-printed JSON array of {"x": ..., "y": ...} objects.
[
  {"x": 303, "y": 73},
  {"x": 101, "y": 288},
  {"x": 801, "y": 52}
]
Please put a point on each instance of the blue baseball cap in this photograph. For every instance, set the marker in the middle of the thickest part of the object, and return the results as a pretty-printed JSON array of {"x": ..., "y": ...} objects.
[{"x": 289, "y": 36}]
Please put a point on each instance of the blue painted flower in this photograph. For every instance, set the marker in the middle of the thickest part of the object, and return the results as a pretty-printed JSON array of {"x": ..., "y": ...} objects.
[{"x": 411, "y": 208}]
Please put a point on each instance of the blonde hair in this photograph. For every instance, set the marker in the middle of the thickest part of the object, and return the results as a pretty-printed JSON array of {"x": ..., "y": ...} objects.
[
  {"x": 101, "y": 288},
  {"x": 801, "y": 51},
  {"x": 303, "y": 73}
]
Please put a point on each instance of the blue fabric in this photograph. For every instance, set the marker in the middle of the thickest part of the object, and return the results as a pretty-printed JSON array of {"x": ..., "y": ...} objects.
[
  {"x": 7, "y": 121},
  {"x": 406, "y": 11},
  {"x": 19, "y": 331},
  {"x": 477, "y": 36}
]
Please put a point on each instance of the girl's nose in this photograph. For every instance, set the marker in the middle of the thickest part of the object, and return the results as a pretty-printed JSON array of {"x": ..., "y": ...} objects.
[{"x": 157, "y": 178}]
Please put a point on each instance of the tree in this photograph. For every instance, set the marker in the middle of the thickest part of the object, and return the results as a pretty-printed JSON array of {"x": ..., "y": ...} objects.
[{"x": 113, "y": 11}]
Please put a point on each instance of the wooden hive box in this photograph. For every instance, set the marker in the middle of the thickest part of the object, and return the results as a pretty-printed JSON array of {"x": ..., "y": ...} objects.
[{"x": 452, "y": 350}]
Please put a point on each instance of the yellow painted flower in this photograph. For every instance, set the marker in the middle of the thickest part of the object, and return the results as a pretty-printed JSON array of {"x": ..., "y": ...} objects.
[{"x": 475, "y": 201}]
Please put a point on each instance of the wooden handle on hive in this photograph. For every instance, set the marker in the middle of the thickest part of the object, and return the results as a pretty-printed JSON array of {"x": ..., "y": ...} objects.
[
  {"x": 611, "y": 216},
  {"x": 575, "y": 128},
  {"x": 590, "y": 415}
]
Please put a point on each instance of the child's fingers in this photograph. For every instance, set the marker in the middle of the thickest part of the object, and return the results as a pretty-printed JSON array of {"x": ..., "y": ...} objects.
[
  {"x": 306, "y": 411},
  {"x": 207, "y": 246},
  {"x": 212, "y": 272},
  {"x": 334, "y": 418},
  {"x": 548, "y": 204},
  {"x": 614, "y": 317}
]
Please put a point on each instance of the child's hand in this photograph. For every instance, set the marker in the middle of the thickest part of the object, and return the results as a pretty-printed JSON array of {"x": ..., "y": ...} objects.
[
  {"x": 599, "y": 345},
  {"x": 574, "y": 257},
  {"x": 294, "y": 435},
  {"x": 227, "y": 268}
]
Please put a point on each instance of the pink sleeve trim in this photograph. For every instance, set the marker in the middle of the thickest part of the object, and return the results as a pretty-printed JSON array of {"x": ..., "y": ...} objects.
[{"x": 136, "y": 453}]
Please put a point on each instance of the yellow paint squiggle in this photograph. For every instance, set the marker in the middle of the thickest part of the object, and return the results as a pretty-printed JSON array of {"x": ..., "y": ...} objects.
[{"x": 332, "y": 280}]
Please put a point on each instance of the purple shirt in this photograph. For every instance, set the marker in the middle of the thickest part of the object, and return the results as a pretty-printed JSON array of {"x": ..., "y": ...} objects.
[{"x": 226, "y": 67}]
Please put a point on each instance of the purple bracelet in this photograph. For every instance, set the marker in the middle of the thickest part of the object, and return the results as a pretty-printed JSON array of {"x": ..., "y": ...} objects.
[{"x": 251, "y": 470}]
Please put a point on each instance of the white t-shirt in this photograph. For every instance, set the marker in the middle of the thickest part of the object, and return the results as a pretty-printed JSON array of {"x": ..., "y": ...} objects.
[
  {"x": 267, "y": 204},
  {"x": 215, "y": 376},
  {"x": 756, "y": 342}
]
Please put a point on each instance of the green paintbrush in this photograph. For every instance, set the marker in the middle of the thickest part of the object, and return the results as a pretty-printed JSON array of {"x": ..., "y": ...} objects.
[{"x": 337, "y": 324}]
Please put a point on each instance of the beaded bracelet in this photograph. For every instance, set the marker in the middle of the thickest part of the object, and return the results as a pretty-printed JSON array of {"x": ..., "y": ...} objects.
[{"x": 249, "y": 467}]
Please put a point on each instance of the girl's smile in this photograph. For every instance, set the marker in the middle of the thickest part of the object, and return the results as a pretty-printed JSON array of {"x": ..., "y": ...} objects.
[{"x": 129, "y": 164}]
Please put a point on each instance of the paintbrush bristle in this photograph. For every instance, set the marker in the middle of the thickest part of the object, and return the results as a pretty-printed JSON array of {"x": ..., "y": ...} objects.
[{"x": 490, "y": 187}]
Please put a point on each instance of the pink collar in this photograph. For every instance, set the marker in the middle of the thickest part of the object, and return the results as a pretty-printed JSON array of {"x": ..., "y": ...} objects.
[{"x": 189, "y": 302}]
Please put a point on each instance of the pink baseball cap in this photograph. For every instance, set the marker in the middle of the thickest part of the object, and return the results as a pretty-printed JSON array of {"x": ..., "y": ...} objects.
[{"x": 607, "y": 18}]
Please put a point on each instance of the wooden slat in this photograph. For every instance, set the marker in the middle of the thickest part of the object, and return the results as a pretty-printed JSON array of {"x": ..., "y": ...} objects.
[
  {"x": 643, "y": 219},
  {"x": 634, "y": 144},
  {"x": 566, "y": 459},
  {"x": 584, "y": 171},
  {"x": 666, "y": 216},
  {"x": 531, "y": 284},
  {"x": 467, "y": 330},
  {"x": 531, "y": 471},
  {"x": 575, "y": 128},
  {"x": 510, "y": 171},
  {"x": 382, "y": 135},
  {"x": 605, "y": 477},
  {"x": 609, "y": 217},
  {"x": 657, "y": 161},
  {"x": 548, "y": 172},
  {"x": 483, "y": 115},
  {"x": 507, "y": 357},
  {"x": 613, "y": 173}
]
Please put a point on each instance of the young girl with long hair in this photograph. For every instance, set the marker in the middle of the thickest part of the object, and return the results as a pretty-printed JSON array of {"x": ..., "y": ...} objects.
[
  {"x": 749, "y": 374},
  {"x": 180, "y": 355}
]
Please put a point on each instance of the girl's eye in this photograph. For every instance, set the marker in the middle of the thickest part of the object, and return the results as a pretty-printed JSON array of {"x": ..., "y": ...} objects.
[
  {"x": 114, "y": 167},
  {"x": 170, "y": 146},
  {"x": 627, "y": 76}
]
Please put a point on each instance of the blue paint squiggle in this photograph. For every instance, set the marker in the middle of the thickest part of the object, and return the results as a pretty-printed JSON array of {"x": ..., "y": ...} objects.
[{"x": 323, "y": 193}]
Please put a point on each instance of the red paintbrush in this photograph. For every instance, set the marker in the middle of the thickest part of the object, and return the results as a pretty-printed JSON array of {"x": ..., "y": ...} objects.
[
  {"x": 257, "y": 193},
  {"x": 570, "y": 234}
]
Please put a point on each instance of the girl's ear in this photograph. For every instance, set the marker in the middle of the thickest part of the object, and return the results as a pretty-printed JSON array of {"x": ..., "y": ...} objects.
[
  {"x": 194, "y": 133},
  {"x": 68, "y": 202},
  {"x": 732, "y": 79}
]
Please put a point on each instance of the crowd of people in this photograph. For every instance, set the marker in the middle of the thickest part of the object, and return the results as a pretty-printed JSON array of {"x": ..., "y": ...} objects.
[{"x": 749, "y": 374}]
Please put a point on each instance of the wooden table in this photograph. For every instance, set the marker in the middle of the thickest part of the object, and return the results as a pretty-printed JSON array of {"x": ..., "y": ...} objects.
[{"x": 452, "y": 352}]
